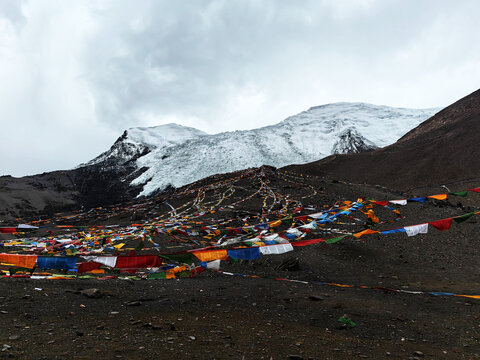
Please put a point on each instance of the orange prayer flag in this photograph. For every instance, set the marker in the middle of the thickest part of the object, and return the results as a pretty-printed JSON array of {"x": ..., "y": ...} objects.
[
  {"x": 438, "y": 197},
  {"x": 365, "y": 232},
  {"x": 25, "y": 261},
  {"x": 276, "y": 223},
  {"x": 470, "y": 296},
  {"x": 211, "y": 255}
]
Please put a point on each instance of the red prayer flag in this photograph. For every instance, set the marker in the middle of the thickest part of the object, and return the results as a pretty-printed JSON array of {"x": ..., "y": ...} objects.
[
  {"x": 475, "y": 190},
  {"x": 307, "y": 242},
  {"x": 6, "y": 230},
  {"x": 381, "y": 203},
  {"x": 138, "y": 261},
  {"x": 442, "y": 225},
  {"x": 88, "y": 266}
]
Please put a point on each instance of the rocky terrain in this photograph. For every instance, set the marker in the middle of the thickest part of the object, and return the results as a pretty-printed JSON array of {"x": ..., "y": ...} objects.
[{"x": 218, "y": 316}]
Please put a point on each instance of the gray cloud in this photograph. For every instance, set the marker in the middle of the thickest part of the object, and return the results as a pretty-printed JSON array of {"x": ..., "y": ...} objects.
[{"x": 78, "y": 73}]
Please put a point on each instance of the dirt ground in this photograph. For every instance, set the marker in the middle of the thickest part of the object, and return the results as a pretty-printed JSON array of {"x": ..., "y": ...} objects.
[{"x": 218, "y": 316}]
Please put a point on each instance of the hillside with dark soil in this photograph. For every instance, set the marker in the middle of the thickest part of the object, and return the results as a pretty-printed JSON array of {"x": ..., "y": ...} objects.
[
  {"x": 84, "y": 187},
  {"x": 375, "y": 296},
  {"x": 441, "y": 151}
]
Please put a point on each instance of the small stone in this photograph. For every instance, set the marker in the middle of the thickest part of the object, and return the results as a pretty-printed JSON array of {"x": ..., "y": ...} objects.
[
  {"x": 134, "y": 303},
  {"x": 79, "y": 333},
  {"x": 192, "y": 337},
  {"x": 418, "y": 353},
  {"x": 315, "y": 298},
  {"x": 114, "y": 312},
  {"x": 14, "y": 337},
  {"x": 92, "y": 293},
  {"x": 3, "y": 312},
  {"x": 101, "y": 326}
]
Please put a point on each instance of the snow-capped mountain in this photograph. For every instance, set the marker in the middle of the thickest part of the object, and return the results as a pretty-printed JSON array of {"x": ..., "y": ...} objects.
[
  {"x": 139, "y": 141},
  {"x": 176, "y": 155}
]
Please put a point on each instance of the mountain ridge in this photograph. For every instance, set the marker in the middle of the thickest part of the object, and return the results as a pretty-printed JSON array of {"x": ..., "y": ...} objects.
[
  {"x": 142, "y": 163},
  {"x": 310, "y": 135},
  {"x": 442, "y": 150}
]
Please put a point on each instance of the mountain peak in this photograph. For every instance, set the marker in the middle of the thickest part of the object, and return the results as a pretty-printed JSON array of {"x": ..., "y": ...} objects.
[{"x": 351, "y": 142}]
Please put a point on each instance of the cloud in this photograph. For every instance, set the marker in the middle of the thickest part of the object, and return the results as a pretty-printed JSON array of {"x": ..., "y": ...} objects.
[{"x": 76, "y": 74}]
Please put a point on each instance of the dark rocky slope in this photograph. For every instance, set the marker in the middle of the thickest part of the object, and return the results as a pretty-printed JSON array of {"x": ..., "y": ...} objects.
[{"x": 442, "y": 150}]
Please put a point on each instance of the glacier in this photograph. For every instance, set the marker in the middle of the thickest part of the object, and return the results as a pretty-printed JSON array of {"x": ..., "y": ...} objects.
[{"x": 175, "y": 155}]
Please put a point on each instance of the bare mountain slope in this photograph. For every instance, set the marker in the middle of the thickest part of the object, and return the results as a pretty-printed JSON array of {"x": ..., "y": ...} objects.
[{"x": 442, "y": 150}]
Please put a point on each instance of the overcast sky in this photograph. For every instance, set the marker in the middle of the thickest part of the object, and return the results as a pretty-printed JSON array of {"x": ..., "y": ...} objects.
[{"x": 75, "y": 74}]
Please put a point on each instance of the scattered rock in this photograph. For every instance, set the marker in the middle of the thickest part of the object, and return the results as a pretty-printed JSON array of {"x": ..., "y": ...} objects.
[
  {"x": 14, "y": 337},
  {"x": 315, "y": 298},
  {"x": 133, "y": 303},
  {"x": 418, "y": 353},
  {"x": 92, "y": 293},
  {"x": 289, "y": 264}
]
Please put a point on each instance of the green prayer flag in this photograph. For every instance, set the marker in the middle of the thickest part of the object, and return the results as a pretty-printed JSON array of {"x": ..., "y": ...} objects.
[
  {"x": 462, "y": 218},
  {"x": 334, "y": 240},
  {"x": 186, "y": 258},
  {"x": 161, "y": 275},
  {"x": 460, "y": 193},
  {"x": 183, "y": 274}
]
